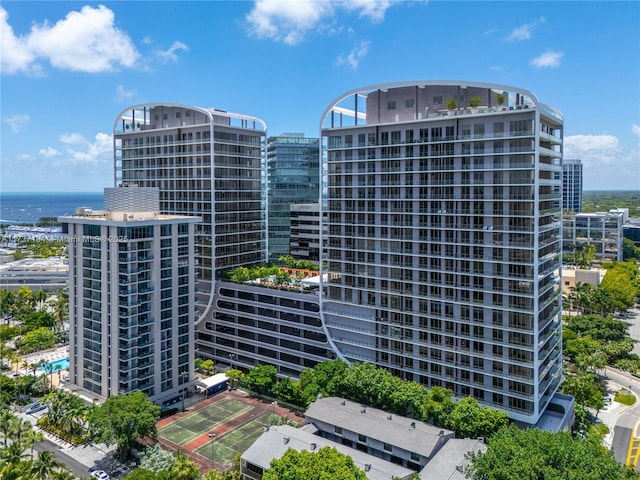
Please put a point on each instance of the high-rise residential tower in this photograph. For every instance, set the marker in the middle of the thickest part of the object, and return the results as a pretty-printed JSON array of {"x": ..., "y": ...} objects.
[
  {"x": 292, "y": 177},
  {"x": 131, "y": 291},
  {"x": 572, "y": 185},
  {"x": 443, "y": 233},
  {"x": 205, "y": 162}
]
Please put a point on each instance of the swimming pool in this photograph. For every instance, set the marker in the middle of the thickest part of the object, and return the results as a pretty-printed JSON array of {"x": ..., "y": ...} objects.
[{"x": 58, "y": 365}]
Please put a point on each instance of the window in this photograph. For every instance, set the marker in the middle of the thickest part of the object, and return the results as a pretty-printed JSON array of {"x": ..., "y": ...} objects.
[
  {"x": 178, "y": 114},
  {"x": 338, "y": 430},
  {"x": 391, "y": 105},
  {"x": 362, "y": 438},
  {"x": 387, "y": 447},
  {"x": 410, "y": 103},
  {"x": 437, "y": 100}
]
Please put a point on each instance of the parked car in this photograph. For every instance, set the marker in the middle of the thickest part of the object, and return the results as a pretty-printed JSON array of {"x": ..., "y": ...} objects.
[
  {"x": 100, "y": 475},
  {"x": 37, "y": 407}
]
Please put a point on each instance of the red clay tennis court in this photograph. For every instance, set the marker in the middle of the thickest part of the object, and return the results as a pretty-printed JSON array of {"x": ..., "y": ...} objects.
[{"x": 213, "y": 431}]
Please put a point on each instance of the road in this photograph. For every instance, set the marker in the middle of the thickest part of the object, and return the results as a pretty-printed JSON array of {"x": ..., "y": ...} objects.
[
  {"x": 627, "y": 420},
  {"x": 74, "y": 466}
]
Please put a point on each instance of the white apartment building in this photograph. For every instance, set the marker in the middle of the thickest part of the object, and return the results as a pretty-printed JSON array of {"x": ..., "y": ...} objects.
[
  {"x": 604, "y": 230},
  {"x": 131, "y": 292},
  {"x": 443, "y": 234},
  {"x": 205, "y": 162}
]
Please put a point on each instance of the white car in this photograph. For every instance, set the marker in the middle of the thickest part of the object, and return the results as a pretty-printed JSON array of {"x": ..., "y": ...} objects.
[{"x": 100, "y": 475}]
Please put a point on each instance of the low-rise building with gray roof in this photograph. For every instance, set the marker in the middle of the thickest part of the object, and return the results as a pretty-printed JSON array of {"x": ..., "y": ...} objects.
[
  {"x": 395, "y": 438},
  {"x": 452, "y": 460},
  {"x": 278, "y": 439}
]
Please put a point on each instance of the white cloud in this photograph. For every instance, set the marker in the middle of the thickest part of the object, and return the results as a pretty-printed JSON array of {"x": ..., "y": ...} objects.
[
  {"x": 122, "y": 94},
  {"x": 373, "y": 9},
  {"x": 606, "y": 164},
  {"x": 549, "y": 59},
  {"x": 353, "y": 58},
  {"x": 48, "y": 152},
  {"x": 170, "y": 54},
  {"x": 79, "y": 150},
  {"x": 86, "y": 41},
  {"x": 524, "y": 32},
  {"x": 635, "y": 129},
  {"x": 16, "y": 122},
  {"x": 16, "y": 56},
  {"x": 72, "y": 138},
  {"x": 288, "y": 21}
]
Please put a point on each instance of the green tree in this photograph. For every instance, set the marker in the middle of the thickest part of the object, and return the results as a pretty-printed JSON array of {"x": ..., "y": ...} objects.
[
  {"x": 586, "y": 388},
  {"x": 514, "y": 454},
  {"x": 621, "y": 283},
  {"x": 35, "y": 319},
  {"x": 326, "y": 463},
  {"x": 60, "y": 309},
  {"x": 208, "y": 366},
  {"x": 629, "y": 250},
  {"x": 44, "y": 466},
  {"x": 260, "y": 378},
  {"x": 324, "y": 379},
  {"x": 585, "y": 255},
  {"x": 156, "y": 459},
  {"x": 470, "y": 420},
  {"x": 124, "y": 418},
  {"x": 38, "y": 339},
  {"x": 143, "y": 474},
  {"x": 288, "y": 391},
  {"x": 67, "y": 415},
  {"x": 234, "y": 376},
  {"x": 438, "y": 405},
  {"x": 183, "y": 469},
  {"x": 8, "y": 332}
]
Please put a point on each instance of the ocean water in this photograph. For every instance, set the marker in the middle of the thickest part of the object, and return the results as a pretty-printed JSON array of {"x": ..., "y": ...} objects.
[{"x": 28, "y": 208}]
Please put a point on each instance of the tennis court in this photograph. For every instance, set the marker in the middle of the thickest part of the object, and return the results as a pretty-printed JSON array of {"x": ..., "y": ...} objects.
[
  {"x": 218, "y": 428},
  {"x": 204, "y": 420},
  {"x": 222, "y": 450}
]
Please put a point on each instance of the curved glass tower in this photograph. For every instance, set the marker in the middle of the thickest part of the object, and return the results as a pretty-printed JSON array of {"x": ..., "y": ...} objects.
[
  {"x": 443, "y": 238},
  {"x": 205, "y": 162}
]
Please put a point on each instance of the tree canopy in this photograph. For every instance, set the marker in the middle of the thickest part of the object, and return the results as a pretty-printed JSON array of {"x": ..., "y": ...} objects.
[
  {"x": 124, "y": 418},
  {"x": 326, "y": 463},
  {"x": 514, "y": 454},
  {"x": 470, "y": 420}
]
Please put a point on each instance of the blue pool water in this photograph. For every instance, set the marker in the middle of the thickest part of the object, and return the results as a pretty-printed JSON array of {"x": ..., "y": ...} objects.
[{"x": 56, "y": 366}]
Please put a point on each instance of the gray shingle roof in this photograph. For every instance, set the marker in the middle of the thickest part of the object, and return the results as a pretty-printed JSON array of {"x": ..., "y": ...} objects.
[
  {"x": 450, "y": 460},
  {"x": 277, "y": 440},
  {"x": 403, "y": 432}
]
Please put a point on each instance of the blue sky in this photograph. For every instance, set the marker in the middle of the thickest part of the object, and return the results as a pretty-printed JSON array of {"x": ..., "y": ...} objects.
[{"x": 69, "y": 68}]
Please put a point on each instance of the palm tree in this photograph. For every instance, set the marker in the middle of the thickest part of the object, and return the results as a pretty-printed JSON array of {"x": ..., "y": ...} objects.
[
  {"x": 184, "y": 469},
  {"x": 13, "y": 454},
  {"x": 7, "y": 421},
  {"x": 63, "y": 475},
  {"x": 67, "y": 412},
  {"x": 39, "y": 297},
  {"x": 60, "y": 310},
  {"x": 32, "y": 438},
  {"x": 20, "y": 430},
  {"x": 44, "y": 466},
  {"x": 15, "y": 471},
  {"x": 7, "y": 304}
]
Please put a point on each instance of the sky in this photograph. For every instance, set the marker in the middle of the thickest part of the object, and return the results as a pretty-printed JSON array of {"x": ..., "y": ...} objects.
[{"x": 68, "y": 69}]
